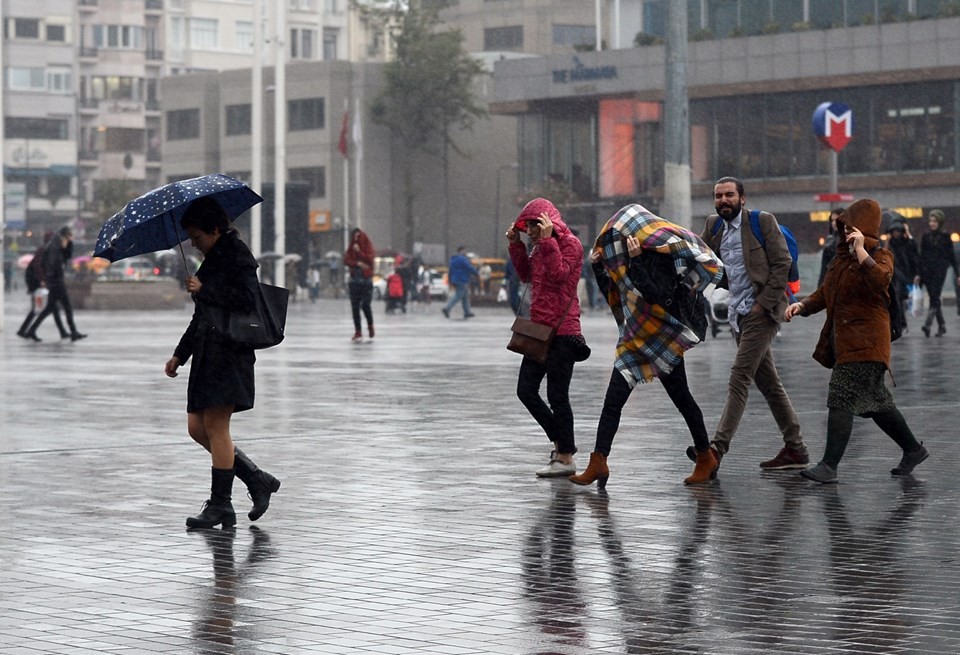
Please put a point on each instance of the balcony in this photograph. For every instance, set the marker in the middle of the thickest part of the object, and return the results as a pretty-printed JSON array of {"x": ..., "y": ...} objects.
[
  {"x": 154, "y": 56},
  {"x": 88, "y": 52},
  {"x": 152, "y": 105},
  {"x": 88, "y": 157},
  {"x": 88, "y": 5},
  {"x": 89, "y": 105},
  {"x": 153, "y": 5}
]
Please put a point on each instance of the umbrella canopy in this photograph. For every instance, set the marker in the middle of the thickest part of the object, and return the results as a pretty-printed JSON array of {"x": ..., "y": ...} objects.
[
  {"x": 152, "y": 221},
  {"x": 24, "y": 260}
]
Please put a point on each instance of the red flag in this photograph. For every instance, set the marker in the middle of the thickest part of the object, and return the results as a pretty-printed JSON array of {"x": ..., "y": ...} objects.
[{"x": 342, "y": 146}]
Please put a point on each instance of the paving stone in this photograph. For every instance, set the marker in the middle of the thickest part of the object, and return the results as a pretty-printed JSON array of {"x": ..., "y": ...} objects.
[{"x": 410, "y": 521}]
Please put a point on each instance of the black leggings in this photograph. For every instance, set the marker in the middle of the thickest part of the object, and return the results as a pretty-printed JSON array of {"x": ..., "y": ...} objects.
[
  {"x": 678, "y": 391},
  {"x": 557, "y": 418},
  {"x": 361, "y": 293}
]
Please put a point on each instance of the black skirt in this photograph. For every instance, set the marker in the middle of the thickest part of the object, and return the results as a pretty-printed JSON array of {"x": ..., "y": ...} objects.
[{"x": 858, "y": 388}]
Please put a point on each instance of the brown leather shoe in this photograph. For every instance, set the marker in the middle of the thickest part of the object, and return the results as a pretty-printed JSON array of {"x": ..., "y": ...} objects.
[
  {"x": 596, "y": 471},
  {"x": 706, "y": 468}
]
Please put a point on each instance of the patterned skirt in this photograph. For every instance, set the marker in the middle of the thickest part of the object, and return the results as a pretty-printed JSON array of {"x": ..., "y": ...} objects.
[{"x": 858, "y": 388}]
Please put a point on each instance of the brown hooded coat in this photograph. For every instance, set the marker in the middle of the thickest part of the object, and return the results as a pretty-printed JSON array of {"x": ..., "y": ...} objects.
[{"x": 855, "y": 296}]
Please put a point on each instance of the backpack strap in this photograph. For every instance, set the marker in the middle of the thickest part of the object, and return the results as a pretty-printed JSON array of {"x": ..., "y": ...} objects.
[
  {"x": 755, "y": 227},
  {"x": 716, "y": 226}
]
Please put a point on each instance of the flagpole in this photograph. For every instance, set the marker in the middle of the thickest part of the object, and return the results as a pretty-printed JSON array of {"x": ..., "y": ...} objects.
[
  {"x": 358, "y": 159},
  {"x": 280, "y": 143},
  {"x": 256, "y": 127},
  {"x": 346, "y": 180}
]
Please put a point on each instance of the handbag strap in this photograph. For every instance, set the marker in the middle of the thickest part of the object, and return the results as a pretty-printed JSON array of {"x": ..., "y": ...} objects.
[{"x": 562, "y": 316}]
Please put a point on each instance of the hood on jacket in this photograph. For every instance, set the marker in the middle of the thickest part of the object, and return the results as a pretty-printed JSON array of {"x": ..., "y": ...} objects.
[
  {"x": 533, "y": 209},
  {"x": 360, "y": 237},
  {"x": 865, "y": 215}
]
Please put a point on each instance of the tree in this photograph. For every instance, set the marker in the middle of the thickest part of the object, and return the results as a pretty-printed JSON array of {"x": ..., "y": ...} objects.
[{"x": 428, "y": 91}]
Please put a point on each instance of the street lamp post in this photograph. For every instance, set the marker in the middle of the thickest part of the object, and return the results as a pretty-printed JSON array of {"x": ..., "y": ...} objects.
[{"x": 496, "y": 220}]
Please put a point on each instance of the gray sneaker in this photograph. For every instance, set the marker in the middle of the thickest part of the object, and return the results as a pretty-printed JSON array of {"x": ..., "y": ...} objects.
[
  {"x": 910, "y": 460},
  {"x": 822, "y": 473}
]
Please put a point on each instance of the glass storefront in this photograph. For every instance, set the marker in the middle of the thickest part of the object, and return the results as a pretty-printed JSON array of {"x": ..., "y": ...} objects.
[{"x": 614, "y": 147}]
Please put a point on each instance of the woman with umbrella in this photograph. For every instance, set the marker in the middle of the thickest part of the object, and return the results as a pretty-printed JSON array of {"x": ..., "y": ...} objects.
[{"x": 221, "y": 376}]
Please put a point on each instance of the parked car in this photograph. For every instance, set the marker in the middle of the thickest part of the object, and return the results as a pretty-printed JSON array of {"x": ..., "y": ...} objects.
[{"x": 132, "y": 270}]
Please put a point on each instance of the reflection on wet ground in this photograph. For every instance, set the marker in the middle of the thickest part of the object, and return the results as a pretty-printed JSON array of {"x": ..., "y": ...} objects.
[{"x": 410, "y": 521}]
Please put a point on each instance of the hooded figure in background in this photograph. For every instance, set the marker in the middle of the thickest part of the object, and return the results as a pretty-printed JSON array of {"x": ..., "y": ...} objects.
[
  {"x": 359, "y": 260},
  {"x": 855, "y": 341},
  {"x": 552, "y": 270},
  {"x": 906, "y": 261}
]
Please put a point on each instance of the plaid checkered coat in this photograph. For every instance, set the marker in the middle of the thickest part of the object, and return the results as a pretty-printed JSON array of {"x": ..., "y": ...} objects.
[{"x": 652, "y": 341}]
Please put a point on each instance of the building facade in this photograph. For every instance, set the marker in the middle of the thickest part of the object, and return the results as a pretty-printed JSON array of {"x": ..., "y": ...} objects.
[
  {"x": 594, "y": 120},
  {"x": 40, "y": 114}
]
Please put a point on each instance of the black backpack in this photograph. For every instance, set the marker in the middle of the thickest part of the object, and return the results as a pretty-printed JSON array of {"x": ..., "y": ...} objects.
[{"x": 31, "y": 276}]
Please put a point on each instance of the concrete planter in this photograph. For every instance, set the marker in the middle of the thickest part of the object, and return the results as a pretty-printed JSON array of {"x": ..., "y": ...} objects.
[{"x": 156, "y": 294}]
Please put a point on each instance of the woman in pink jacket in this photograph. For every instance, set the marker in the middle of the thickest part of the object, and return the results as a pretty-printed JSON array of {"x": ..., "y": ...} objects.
[{"x": 552, "y": 269}]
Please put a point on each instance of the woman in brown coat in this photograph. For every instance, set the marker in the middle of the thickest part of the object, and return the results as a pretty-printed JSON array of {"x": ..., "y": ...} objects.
[{"x": 855, "y": 341}]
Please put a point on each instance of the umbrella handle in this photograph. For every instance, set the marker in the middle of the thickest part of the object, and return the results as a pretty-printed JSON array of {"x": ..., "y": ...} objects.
[{"x": 180, "y": 245}]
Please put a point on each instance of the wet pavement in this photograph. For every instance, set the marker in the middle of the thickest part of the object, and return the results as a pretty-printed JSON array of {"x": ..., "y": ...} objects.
[{"x": 410, "y": 521}]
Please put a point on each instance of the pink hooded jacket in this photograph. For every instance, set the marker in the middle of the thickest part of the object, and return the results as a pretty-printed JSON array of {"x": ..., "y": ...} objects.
[{"x": 553, "y": 269}]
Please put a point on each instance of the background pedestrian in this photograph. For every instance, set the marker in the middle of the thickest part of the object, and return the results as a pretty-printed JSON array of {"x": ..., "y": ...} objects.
[
  {"x": 359, "y": 261},
  {"x": 936, "y": 256}
]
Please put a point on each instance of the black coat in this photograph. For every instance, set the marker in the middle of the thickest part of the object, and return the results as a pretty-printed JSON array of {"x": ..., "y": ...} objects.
[
  {"x": 936, "y": 256},
  {"x": 221, "y": 372}
]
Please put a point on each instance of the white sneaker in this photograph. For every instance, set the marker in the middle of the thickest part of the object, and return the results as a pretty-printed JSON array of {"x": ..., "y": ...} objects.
[{"x": 557, "y": 469}]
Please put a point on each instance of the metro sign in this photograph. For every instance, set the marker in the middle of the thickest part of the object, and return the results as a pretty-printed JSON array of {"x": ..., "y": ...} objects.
[{"x": 833, "y": 125}]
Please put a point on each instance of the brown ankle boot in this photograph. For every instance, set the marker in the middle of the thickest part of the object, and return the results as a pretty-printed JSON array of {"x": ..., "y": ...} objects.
[
  {"x": 707, "y": 464},
  {"x": 596, "y": 470}
]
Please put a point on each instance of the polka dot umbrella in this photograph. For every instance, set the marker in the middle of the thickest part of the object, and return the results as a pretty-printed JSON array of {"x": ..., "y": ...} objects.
[{"x": 152, "y": 221}]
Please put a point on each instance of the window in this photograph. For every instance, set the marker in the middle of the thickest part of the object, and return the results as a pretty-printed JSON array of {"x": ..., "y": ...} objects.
[
  {"x": 183, "y": 124},
  {"x": 301, "y": 43},
  {"x": 17, "y": 127},
  {"x": 26, "y": 28},
  {"x": 26, "y": 79},
  {"x": 56, "y": 33},
  {"x": 114, "y": 87},
  {"x": 503, "y": 38},
  {"x": 305, "y": 114},
  {"x": 306, "y": 5},
  {"x": 123, "y": 139},
  {"x": 203, "y": 33},
  {"x": 119, "y": 37},
  {"x": 826, "y": 13},
  {"x": 176, "y": 39},
  {"x": 59, "y": 80},
  {"x": 238, "y": 119},
  {"x": 574, "y": 35},
  {"x": 330, "y": 44},
  {"x": 315, "y": 176},
  {"x": 243, "y": 41}
]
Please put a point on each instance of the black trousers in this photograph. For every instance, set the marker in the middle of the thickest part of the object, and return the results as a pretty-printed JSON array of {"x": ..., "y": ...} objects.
[
  {"x": 675, "y": 384},
  {"x": 557, "y": 418},
  {"x": 361, "y": 294},
  {"x": 58, "y": 297}
]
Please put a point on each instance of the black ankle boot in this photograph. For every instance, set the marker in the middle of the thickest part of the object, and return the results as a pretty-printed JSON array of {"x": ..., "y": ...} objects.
[
  {"x": 260, "y": 484},
  {"x": 218, "y": 510}
]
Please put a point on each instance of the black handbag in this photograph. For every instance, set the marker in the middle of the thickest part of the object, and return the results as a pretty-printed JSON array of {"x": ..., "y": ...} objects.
[{"x": 262, "y": 326}]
